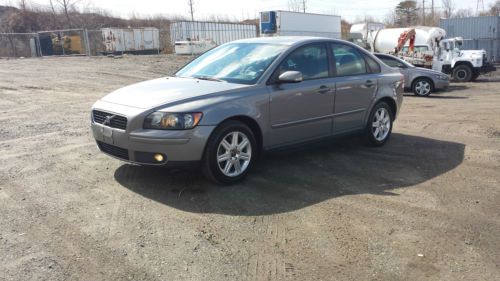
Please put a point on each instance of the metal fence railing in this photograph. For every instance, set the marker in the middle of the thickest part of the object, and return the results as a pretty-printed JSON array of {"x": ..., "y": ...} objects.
[
  {"x": 18, "y": 45},
  {"x": 83, "y": 42}
]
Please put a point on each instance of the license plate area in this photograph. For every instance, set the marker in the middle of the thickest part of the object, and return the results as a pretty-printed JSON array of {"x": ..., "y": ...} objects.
[{"x": 107, "y": 134}]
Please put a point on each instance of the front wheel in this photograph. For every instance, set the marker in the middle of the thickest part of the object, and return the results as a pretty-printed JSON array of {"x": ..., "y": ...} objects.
[
  {"x": 462, "y": 73},
  {"x": 230, "y": 153},
  {"x": 422, "y": 87},
  {"x": 379, "y": 127}
]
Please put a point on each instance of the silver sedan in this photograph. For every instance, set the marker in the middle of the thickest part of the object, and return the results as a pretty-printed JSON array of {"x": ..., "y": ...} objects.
[
  {"x": 421, "y": 81},
  {"x": 243, "y": 97}
]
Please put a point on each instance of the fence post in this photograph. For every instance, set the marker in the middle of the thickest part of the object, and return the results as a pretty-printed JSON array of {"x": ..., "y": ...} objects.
[{"x": 87, "y": 43}]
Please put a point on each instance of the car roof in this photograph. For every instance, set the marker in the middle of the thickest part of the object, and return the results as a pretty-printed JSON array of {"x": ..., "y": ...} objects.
[{"x": 284, "y": 40}]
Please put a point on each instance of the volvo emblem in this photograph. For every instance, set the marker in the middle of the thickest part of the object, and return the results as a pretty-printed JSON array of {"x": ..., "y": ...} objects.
[{"x": 107, "y": 121}]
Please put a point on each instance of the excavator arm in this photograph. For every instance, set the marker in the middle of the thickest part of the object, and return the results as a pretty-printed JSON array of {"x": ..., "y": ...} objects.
[{"x": 403, "y": 38}]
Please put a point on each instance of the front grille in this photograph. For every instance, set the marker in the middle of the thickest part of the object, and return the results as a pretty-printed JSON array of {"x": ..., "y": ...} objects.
[
  {"x": 116, "y": 151},
  {"x": 116, "y": 121}
]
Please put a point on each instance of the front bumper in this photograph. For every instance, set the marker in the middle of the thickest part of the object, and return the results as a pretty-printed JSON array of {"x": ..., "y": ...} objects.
[
  {"x": 441, "y": 84},
  {"x": 139, "y": 146},
  {"x": 486, "y": 68}
]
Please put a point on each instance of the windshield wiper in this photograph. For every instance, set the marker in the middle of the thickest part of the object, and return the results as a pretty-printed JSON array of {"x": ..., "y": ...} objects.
[{"x": 208, "y": 78}]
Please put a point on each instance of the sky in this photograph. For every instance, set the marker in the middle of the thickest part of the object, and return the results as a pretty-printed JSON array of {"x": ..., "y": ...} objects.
[{"x": 351, "y": 10}]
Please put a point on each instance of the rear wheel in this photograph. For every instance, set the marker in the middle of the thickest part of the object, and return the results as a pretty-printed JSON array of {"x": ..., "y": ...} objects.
[
  {"x": 230, "y": 153},
  {"x": 462, "y": 73},
  {"x": 379, "y": 127},
  {"x": 422, "y": 87}
]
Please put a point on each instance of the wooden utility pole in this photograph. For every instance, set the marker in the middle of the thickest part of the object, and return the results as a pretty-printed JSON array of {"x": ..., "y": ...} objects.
[
  {"x": 423, "y": 12},
  {"x": 432, "y": 11},
  {"x": 191, "y": 4}
]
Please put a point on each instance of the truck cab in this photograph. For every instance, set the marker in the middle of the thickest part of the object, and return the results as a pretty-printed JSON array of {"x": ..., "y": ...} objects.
[{"x": 463, "y": 65}]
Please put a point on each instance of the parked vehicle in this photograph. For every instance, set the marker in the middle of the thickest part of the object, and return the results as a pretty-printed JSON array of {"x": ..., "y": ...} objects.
[
  {"x": 421, "y": 81},
  {"x": 286, "y": 23},
  {"x": 427, "y": 47},
  {"x": 247, "y": 96}
]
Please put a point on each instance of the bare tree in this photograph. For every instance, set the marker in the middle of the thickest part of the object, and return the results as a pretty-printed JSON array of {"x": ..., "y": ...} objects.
[
  {"x": 448, "y": 8},
  {"x": 191, "y": 4},
  {"x": 297, "y": 5},
  {"x": 464, "y": 13},
  {"x": 67, "y": 6}
]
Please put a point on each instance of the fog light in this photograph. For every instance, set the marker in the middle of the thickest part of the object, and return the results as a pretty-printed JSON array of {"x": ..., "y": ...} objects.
[{"x": 158, "y": 157}]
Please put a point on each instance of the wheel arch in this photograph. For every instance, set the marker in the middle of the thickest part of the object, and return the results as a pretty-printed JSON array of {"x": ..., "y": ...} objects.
[
  {"x": 392, "y": 105},
  {"x": 251, "y": 123},
  {"x": 466, "y": 63}
]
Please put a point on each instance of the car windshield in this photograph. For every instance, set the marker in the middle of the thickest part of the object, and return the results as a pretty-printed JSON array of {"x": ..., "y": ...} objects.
[{"x": 241, "y": 63}]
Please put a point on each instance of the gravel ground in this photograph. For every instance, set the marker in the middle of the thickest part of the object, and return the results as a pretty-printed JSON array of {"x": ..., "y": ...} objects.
[{"x": 424, "y": 207}]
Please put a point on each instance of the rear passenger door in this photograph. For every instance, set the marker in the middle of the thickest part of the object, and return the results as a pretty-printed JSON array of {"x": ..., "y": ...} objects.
[{"x": 356, "y": 85}]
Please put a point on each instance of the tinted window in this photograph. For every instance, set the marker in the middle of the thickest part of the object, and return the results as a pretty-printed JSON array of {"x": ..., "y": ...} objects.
[
  {"x": 392, "y": 62},
  {"x": 374, "y": 66},
  {"x": 348, "y": 61},
  {"x": 311, "y": 60}
]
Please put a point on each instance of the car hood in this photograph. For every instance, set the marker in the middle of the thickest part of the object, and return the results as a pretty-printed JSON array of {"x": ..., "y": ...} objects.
[
  {"x": 166, "y": 90},
  {"x": 427, "y": 71}
]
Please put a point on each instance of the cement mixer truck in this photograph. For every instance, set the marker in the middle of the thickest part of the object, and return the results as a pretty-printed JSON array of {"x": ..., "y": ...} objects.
[{"x": 425, "y": 46}]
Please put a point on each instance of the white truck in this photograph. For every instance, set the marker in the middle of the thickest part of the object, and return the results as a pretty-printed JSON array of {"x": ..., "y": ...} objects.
[
  {"x": 427, "y": 47},
  {"x": 285, "y": 23}
]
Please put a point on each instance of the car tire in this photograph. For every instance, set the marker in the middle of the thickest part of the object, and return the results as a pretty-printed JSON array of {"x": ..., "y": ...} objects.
[
  {"x": 462, "y": 73},
  {"x": 422, "y": 87},
  {"x": 379, "y": 127},
  {"x": 226, "y": 160}
]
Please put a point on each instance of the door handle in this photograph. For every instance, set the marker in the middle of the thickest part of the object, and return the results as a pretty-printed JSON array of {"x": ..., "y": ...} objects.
[
  {"x": 369, "y": 83},
  {"x": 324, "y": 89}
]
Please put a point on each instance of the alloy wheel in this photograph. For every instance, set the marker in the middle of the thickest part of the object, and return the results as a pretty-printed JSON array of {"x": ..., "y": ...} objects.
[
  {"x": 381, "y": 124},
  {"x": 234, "y": 154},
  {"x": 423, "y": 88}
]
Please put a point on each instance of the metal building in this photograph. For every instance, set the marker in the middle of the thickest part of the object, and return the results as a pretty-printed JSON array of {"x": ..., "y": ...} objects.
[
  {"x": 479, "y": 33},
  {"x": 219, "y": 33}
]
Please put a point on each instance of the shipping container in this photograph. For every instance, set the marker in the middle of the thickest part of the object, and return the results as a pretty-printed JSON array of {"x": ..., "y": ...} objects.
[
  {"x": 479, "y": 33},
  {"x": 131, "y": 40},
  {"x": 219, "y": 33},
  {"x": 286, "y": 23}
]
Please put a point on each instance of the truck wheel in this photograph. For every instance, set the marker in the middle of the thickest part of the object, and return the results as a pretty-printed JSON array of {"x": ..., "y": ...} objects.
[
  {"x": 422, "y": 87},
  {"x": 462, "y": 73},
  {"x": 230, "y": 153}
]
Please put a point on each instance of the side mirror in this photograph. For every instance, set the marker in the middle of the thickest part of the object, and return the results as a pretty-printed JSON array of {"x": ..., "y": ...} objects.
[{"x": 290, "y": 77}]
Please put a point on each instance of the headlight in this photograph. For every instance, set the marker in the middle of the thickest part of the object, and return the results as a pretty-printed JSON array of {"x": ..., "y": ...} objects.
[
  {"x": 442, "y": 77},
  {"x": 172, "y": 121}
]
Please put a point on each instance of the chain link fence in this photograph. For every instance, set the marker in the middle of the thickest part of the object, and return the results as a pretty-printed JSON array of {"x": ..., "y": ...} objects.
[
  {"x": 83, "y": 42},
  {"x": 18, "y": 45}
]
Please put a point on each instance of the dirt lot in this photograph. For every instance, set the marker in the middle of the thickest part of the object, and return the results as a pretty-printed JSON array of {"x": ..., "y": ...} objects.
[{"x": 424, "y": 207}]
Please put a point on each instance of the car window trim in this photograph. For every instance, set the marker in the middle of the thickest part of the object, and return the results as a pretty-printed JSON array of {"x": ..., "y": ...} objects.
[{"x": 273, "y": 78}]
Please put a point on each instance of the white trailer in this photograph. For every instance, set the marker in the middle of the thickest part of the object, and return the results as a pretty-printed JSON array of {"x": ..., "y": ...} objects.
[
  {"x": 131, "y": 40},
  {"x": 285, "y": 23}
]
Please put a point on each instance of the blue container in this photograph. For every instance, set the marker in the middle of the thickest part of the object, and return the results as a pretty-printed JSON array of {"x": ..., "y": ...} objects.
[{"x": 268, "y": 22}]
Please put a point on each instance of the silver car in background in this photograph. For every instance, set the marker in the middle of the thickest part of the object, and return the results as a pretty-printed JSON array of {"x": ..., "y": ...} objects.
[
  {"x": 421, "y": 81},
  {"x": 236, "y": 100}
]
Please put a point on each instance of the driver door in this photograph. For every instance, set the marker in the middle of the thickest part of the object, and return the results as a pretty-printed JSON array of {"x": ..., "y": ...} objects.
[{"x": 303, "y": 110}]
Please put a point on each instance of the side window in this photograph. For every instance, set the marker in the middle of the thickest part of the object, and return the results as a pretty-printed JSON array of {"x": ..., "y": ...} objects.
[
  {"x": 391, "y": 62},
  {"x": 311, "y": 61},
  {"x": 348, "y": 61},
  {"x": 374, "y": 66}
]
